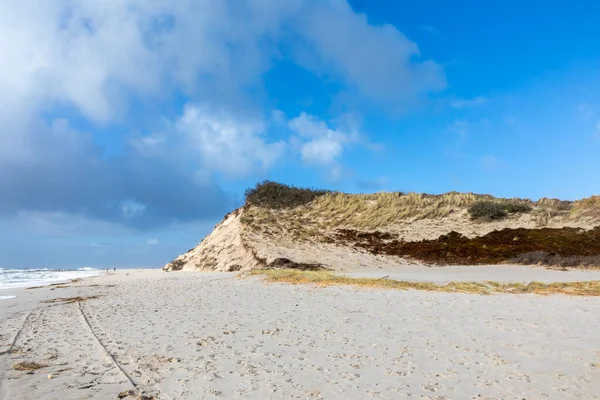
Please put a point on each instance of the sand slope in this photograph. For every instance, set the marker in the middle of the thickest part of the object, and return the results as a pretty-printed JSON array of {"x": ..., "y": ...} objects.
[{"x": 215, "y": 336}]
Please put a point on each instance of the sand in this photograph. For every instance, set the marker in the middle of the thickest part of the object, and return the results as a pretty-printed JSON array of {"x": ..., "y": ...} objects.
[
  {"x": 193, "y": 335},
  {"x": 476, "y": 273}
]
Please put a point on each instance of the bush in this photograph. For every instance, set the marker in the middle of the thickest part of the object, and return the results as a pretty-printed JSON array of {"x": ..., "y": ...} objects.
[
  {"x": 492, "y": 210},
  {"x": 513, "y": 207},
  {"x": 277, "y": 195},
  {"x": 177, "y": 265},
  {"x": 487, "y": 211}
]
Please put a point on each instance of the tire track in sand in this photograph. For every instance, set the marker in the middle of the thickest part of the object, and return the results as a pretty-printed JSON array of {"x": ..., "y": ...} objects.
[
  {"x": 155, "y": 390},
  {"x": 73, "y": 365}
]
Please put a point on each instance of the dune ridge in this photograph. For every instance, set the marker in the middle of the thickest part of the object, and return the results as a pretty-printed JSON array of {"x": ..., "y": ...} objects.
[{"x": 312, "y": 226}]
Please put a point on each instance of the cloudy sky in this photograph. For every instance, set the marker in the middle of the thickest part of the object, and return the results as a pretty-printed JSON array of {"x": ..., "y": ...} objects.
[{"x": 129, "y": 128}]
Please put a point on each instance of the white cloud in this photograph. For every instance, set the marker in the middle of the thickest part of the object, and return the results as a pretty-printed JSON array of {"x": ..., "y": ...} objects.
[
  {"x": 377, "y": 61},
  {"x": 92, "y": 59},
  {"x": 152, "y": 242},
  {"x": 228, "y": 143},
  {"x": 322, "y": 150},
  {"x": 597, "y": 131},
  {"x": 92, "y": 55},
  {"x": 320, "y": 145},
  {"x": 82, "y": 54},
  {"x": 467, "y": 103}
]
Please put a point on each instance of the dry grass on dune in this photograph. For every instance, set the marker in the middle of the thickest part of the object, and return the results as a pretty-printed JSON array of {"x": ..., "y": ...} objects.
[
  {"x": 375, "y": 211},
  {"x": 586, "y": 208},
  {"x": 324, "y": 278},
  {"x": 311, "y": 215},
  {"x": 380, "y": 209},
  {"x": 364, "y": 211}
]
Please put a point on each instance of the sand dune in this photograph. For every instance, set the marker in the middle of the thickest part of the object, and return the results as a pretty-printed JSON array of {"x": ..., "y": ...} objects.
[{"x": 196, "y": 335}]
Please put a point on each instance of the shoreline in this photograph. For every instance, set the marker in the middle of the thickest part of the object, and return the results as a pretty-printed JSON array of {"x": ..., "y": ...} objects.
[
  {"x": 190, "y": 335},
  {"x": 85, "y": 274}
]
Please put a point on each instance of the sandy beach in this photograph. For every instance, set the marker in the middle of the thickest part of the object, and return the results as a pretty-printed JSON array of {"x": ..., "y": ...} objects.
[{"x": 193, "y": 335}]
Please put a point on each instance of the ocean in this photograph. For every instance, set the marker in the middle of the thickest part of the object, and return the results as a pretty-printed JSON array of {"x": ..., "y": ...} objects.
[{"x": 15, "y": 278}]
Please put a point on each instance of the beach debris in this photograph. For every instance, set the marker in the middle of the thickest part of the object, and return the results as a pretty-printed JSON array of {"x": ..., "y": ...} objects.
[
  {"x": 206, "y": 341},
  {"x": 68, "y": 300},
  {"x": 86, "y": 386},
  {"x": 131, "y": 393},
  {"x": 59, "y": 285},
  {"x": 28, "y": 366},
  {"x": 271, "y": 332}
]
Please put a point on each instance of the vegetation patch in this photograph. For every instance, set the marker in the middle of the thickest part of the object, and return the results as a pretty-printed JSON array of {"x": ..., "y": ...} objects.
[
  {"x": 176, "y": 265},
  {"x": 279, "y": 196},
  {"x": 28, "y": 366},
  {"x": 309, "y": 214},
  {"x": 234, "y": 268},
  {"x": 495, "y": 247},
  {"x": 323, "y": 278},
  {"x": 586, "y": 208},
  {"x": 287, "y": 264},
  {"x": 487, "y": 210}
]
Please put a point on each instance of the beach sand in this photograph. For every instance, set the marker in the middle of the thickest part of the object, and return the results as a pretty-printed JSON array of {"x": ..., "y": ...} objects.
[{"x": 192, "y": 335}]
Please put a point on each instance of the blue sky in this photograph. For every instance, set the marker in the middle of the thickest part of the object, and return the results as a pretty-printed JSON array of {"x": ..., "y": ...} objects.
[{"x": 128, "y": 129}]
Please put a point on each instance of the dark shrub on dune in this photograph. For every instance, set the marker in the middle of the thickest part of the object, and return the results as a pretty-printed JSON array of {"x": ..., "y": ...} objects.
[
  {"x": 277, "y": 195},
  {"x": 486, "y": 210},
  {"x": 177, "y": 265},
  {"x": 513, "y": 207}
]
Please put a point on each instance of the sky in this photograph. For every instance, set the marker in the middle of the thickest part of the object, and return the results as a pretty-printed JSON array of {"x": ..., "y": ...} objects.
[{"x": 129, "y": 128}]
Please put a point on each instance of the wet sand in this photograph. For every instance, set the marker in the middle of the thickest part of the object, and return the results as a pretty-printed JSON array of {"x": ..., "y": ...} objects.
[{"x": 194, "y": 335}]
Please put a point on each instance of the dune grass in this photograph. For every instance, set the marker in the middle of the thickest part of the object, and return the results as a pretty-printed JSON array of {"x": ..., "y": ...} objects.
[
  {"x": 586, "y": 208},
  {"x": 324, "y": 278},
  {"x": 383, "y": 208},
  {"x": 373, "y": 211},
  {"x": 380, "y": 209},
  {"x": 313, "y": 218}
]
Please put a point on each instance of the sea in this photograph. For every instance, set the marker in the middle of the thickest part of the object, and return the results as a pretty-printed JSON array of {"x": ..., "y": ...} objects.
[{"x": 11, "y": 278}]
